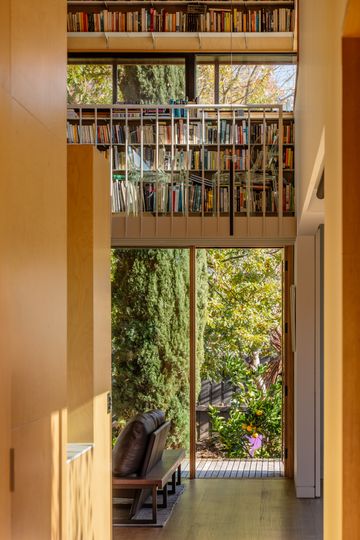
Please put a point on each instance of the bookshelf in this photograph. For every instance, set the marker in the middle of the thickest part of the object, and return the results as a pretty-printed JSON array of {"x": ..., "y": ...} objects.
[
  {"x": 217, "y": 26},
  {"x": 194, "y": 165}
]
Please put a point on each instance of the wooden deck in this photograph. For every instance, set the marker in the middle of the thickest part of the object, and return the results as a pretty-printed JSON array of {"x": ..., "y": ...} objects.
[{"x": 236, "y": 468}]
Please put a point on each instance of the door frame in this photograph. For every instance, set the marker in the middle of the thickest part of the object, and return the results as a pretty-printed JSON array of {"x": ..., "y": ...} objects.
[
  {"x": 288, "y": 361},
  {"x": 288, "y": 326},
  {"x": 287, "y": 348}
]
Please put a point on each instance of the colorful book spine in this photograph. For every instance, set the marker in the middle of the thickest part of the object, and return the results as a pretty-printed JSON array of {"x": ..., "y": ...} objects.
[{"x": 162, "y": 20}]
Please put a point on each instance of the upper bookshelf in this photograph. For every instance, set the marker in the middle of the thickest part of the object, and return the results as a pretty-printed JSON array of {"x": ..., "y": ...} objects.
[
  {"x": 175, "y": 26},
  {"x": 194, "y": 171}
]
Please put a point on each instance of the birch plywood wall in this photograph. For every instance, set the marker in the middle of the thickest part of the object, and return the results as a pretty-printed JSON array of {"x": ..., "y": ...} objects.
[{"x": 33, "y": 263}]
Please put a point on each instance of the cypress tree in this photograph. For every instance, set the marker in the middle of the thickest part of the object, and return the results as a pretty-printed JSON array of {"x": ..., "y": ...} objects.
[
  {"x": 152, "y": 84},
  {"x": 150, "y": 320}
]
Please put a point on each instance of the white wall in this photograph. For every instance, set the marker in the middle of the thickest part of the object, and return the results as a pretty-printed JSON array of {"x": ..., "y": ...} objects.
[
  {"x": 319, "y": 359},
  {"x": 310, "y": 112},
  {"x": 304, "y": 372}
]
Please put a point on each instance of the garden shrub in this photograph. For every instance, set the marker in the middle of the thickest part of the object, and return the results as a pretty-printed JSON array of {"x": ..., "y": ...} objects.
[{"x": 255, "y": 413}]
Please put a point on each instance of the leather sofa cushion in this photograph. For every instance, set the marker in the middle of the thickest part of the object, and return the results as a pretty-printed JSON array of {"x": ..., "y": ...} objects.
[{"x": 130, "y": 447}]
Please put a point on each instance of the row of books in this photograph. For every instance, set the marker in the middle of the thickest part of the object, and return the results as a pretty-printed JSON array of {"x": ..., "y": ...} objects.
[
  {"x": 167, "y": 198},
  {"x": 227, "y": 134},
  {"x": 271, "y": 131},
  {"x": 161, "y": 20},
  {"x": 209, "y": 160},
  {"x": 172, "y": 198}
]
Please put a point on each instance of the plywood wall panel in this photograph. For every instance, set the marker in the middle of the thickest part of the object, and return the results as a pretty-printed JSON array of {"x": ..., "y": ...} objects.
[
  {"x": 36, "y": 246},
  {"x": 351, "y": 269},
  {"x": 102, "y": 474},
  {"x": 38, "y": 50},
  {"x": 5, "y": 444},
  {"x": 89, "y": 335},
  {"x": 333, "y": 252},
  {"x": 32, "y": 263},
  {"x": 80, "y": 514},
  {"x": 102, "y": 346},
  {"x": 5, "y": 45},
  {"x": 5, "y": 363},
  {"x": 80, "y": 374},
  {"x": 101, "y": 274},
  {"x": 37, "y": 474}
]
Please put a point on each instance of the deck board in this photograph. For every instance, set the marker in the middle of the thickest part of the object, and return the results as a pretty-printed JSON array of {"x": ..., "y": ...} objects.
[{"x": 236, "y": 468}]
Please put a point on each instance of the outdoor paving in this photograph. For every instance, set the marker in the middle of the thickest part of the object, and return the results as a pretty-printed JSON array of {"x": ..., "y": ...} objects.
[{"x": 236, "y": 468}]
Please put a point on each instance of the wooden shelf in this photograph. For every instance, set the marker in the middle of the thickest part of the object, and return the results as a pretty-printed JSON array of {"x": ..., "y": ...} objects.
[
  {"x": 271, "y": 42},
  {"x": 133, "y": 195},
  {"x": 178, "y": 229},
  {"x": 228, "y": 3}
]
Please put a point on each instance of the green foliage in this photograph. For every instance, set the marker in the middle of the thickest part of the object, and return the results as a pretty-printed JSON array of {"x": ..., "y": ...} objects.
[
  {"x": 150, "y": 321},
  {"x": 92, "y": 83},
  {"x": 244, "y": 314},
  {"x": 151, "y": 83},
  {"x": 246, "y": 83},
  {"x": 244, "y": 307},
  {"x": 89, "y": 83},
  {"x": 254, "y": 412}
]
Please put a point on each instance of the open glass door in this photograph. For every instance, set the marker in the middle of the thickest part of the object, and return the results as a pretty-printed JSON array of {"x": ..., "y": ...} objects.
[{"x": 238, "y": 411}]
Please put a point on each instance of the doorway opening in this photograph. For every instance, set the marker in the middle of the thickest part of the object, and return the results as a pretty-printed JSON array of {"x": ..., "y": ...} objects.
[
  {"x": 239, "y": 408},
  {"x": 238, "y": 424}
]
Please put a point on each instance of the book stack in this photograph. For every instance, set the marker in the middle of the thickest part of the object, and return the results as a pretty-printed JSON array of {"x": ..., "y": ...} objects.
[
  {"x": 289, "y": 198},
  {"x": 180, "y": 132},
  {"x": 162, "y": 20},
  {"x": 135, "y": 134},
  {"x": 119, "y": 161},
  {"x": 149, "y": 135},
  {"x": 124, "y": 195},
  {"x": 164, "y": 159},
  {"x": 148, "y": 159},
  {"x": 264, "y": 20},
  {"x": 103, "y": 134},
  {"x": 257, "y": 133},
  {"x": 224, "y": 199},
  {"x": 164, "y": 133},
  {"x": 211, "y": 133},
  {"x": 288, "y": 158},
  {"x": 288, "y": 133},
  {"x": 87, "y": 134},
  {"x": 72, "y": 133},
  {"x": 240, "y": 160},
  {"x": 272, "y": 133},
  {"x": 118, "y": 134},
  {"x": 240, "y": 198},
  {"x": 241, "y": 133},
  {"x": 195, "y": 133},
  {"x": 226, "y": 135}
]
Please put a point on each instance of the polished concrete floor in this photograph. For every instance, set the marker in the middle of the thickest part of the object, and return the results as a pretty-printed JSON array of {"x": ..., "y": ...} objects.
[{"x": 232, "y": 509}]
